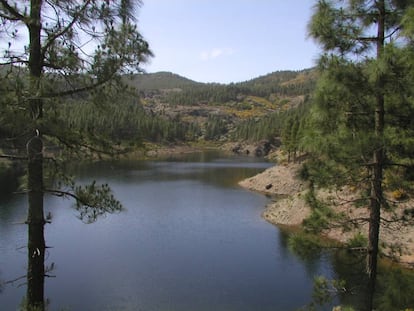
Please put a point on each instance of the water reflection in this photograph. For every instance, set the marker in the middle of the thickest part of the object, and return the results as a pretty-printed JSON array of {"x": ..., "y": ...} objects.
[
  {"x": 204, "y": 167},
  {"x": 2, "y": 283},
  {"x": 130, "y": 174},
  {"x": 350, "y": 267},
  {"x": 36, "y": 270}
]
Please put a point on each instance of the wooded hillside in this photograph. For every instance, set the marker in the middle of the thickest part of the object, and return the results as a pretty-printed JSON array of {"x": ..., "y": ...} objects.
[{"x": 167, "y": 108}]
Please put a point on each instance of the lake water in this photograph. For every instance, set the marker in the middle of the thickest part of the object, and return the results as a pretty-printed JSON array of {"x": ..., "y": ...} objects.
[{"x": 189, "y": 239}]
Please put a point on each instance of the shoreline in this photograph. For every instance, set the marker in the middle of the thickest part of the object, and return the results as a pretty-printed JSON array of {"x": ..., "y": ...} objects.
[{"x": 289, "y": 209}]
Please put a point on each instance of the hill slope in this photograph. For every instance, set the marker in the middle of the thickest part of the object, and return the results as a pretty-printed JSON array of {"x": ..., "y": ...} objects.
[
  {"x": 217, "y": 110},
  {"x": 167, "y": 80},
  {"x": 160, "y": 81}
]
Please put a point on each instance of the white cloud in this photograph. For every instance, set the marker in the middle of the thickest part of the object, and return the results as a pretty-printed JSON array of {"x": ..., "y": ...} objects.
[{"x": 215, "y": 53}]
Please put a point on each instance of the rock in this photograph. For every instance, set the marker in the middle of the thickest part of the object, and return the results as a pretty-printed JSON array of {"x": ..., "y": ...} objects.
[{"x": 263, "y": 148}]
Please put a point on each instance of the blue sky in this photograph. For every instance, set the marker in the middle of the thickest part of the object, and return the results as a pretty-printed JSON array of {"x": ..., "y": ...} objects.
[{"x": 227, "y": 40}]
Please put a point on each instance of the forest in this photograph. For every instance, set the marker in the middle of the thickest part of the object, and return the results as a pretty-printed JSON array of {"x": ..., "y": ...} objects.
[
  {"x": 160, "y": 108},
  {"x": 351, "y": 116},
  {"x": 166, "y": 108}
]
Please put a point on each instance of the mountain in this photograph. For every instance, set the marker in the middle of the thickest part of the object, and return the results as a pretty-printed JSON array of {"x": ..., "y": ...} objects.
[
  {"x": 219, "y": 110},
  {"x": 282, "y": 83},
  {"x": 275, "y": 77},
  {"x": 268, "y": 83},
  {"x": 160, "y": 81},
  {"x": 281, "y": 77}
]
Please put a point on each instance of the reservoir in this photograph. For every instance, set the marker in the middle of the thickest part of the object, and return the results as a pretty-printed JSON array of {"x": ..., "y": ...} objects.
[{"x": 189, "y": 239}]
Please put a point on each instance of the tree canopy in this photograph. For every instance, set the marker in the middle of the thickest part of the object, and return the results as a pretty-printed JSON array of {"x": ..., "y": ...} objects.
[
  {"x": 358, "y": 128},
  {"x": 51, "y": 50}
]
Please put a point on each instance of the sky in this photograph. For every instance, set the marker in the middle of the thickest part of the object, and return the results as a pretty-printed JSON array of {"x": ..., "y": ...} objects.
[{"x": 227, "y": 41}]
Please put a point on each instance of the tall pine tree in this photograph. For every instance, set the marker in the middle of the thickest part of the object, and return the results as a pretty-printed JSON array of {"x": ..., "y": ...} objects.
[
  {"x": 55, "y": 49},
  {"x": 355, "y": 106}
]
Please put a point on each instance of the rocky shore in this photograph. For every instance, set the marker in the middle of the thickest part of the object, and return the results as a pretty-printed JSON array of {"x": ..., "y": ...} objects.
[{"x": 290, "y": 209}]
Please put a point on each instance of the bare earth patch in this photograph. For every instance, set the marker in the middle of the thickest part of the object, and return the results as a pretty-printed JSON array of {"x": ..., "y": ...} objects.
[{"x": 276, "y": 180}]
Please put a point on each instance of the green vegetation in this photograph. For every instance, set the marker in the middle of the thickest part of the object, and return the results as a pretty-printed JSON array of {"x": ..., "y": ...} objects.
[
  {"x": 356, "y": 131},
  {"x": 61, "y": 103},
  {"x": 176, "y": 90},
  {"x": 252, "y": 111},
  {"x": 125, "y": 122},
  {"x": 158, "y": 81},
  {"x": 51, "y": 70},
  {"x": 351, "y": 116},
  {"x": 166, "y": 108}
]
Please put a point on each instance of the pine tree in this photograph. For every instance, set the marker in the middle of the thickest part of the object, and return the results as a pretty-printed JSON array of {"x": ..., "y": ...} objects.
[
  {"x": 352, "y": 116},
  {"x": 57, "y": 49}
]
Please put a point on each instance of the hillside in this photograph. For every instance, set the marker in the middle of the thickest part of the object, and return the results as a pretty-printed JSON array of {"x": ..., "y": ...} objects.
[
  {"x": 159, "y": 81},
  {"x": 266, "y": 84},
  {"x": 222, "y": 111},
  {"x": 164, "y": 107},
  {"x": 167, "y": 108},
  {"x": 299, "y": 82}
]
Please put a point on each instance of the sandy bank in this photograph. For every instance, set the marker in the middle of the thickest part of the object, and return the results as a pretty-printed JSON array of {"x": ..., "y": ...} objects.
[
  {"x": 280, "y": 181},
  {"x": 290, "y": 208}
]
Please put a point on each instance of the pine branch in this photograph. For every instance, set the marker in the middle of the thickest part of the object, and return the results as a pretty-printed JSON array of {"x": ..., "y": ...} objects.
[
  {"x": 356, "y": 221},
  {"x": 15, "y": 280},
  {"x": 52, "y": 66},
  {"x": 56, "y": 35},
  {"x": 10, "y": 18},
  {"x": 92, "y": 201},
  {"x": 401, "y": 221},
  {"x": 72, "y": 145},
  {"x": 12, "y": 62},
  {"x": 400, "y": 165},
  {"x": 347, "y": 201},
  {"x": 12, "y": 157},
  {"x": 12, "y": 11},
  {"x": 61, "y": 193},
  {"x": 80, "y": 90},
  {"x": 367, "y": 39}
]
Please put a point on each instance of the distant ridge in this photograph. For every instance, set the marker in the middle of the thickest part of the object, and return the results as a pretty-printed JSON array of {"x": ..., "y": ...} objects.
[
  {"x": 276, "y": 77},
  {"x": 161, "y": 80},
  {"x": 168, "y": 80}
]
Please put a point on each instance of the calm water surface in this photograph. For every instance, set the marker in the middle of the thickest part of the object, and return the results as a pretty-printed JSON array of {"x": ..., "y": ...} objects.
[{"x": 189, "y": 239}]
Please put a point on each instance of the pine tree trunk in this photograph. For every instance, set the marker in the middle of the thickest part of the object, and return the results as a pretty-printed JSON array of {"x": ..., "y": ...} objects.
[
  {"x": 35, "y": 220},
  {"x": 376, "y": 197},
  {"x": 374, "y": 227}
]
